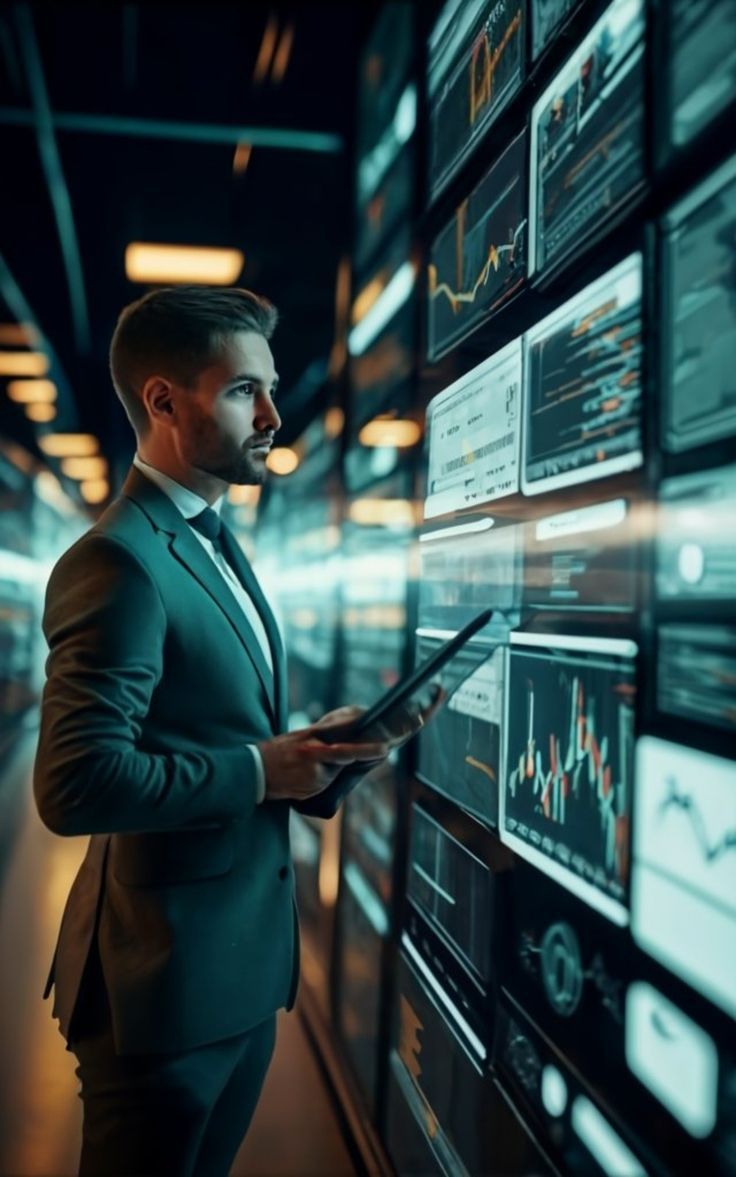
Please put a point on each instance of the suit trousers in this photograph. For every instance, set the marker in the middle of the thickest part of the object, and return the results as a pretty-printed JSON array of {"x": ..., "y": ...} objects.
[{"x": 163, "y": 1115}]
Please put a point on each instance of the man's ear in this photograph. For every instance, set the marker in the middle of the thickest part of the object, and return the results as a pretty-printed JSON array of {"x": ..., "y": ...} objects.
[{"x": 157, "y": 396}]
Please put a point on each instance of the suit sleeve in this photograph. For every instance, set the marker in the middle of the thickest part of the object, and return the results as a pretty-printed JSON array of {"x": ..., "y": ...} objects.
[
  {"x": 105, "y": 625},
  {"x": 326, "y": 803}
]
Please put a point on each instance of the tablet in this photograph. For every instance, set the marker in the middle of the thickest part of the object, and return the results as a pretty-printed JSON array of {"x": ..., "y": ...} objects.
[{"x": 403, "y": 710}]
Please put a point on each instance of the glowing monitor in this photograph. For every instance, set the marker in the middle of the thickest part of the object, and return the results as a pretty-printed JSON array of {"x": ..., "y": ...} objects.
[
  {"x": 474, "y": 430},
  {"x": 587, "y": 136},
  {"x": 696, "y": 553},
  {"x": 583, "y": 384},
  {"x": 478, "y": 261},
  {"x": 566, "y": 799},
  {"x": 546, "y": 18},
  {"x": 699, "y": 328},
  {"x": 696, "y": 673},
  {"x": 451, "y": 888},
  {"x": 683, "y": 886},
  {"x": 702, "y": 64},
  {"x": 475, "y": 62}
]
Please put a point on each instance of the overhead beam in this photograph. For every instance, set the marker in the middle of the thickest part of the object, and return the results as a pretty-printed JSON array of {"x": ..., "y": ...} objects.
[
  {"x": 54, "y": 173},
  {"x": 321, "y": 142}
]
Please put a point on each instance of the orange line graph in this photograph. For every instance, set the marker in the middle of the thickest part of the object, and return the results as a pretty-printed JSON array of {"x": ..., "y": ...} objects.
[
  {"x": 457, "y": 298},
  {"x": 480, "y": 92}
]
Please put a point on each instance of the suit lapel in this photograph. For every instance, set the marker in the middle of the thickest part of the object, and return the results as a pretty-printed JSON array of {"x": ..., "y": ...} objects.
[{"x": 187, "y": 549}]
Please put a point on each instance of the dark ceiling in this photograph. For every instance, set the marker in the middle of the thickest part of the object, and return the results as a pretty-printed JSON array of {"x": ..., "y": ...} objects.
[{"x": 81, "y": 182}]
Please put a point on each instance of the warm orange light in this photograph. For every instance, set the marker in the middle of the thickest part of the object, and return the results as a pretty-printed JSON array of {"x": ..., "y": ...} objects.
[
  {"x": 334, "y": 421},
  {"x": 265, "y": 53},
  {"x": 18, "y": 335},
  {"x": 23, "y": 363},
  {"x": 39, "y": 411},
  {"x": 66, "y": 445},
  {"x": 282, "y": 460},
  {"x": 146, "y": 262},
  {"x": 387, "y": 431},
  {"x": 95, "y": 490},
  {"x": 383, "y": 512},
  {"x": 26, "y": 392},
  {"x": 283, "y": 54},
  {"x": 367, "y": 297},
  {"x": 85, "y": 469},
  {"x": 244, "y": 496},
  {"x": 241, "y": 159}
]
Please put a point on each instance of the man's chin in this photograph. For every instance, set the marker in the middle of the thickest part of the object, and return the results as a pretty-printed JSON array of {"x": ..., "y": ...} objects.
[{"x": 251, "y": 474}]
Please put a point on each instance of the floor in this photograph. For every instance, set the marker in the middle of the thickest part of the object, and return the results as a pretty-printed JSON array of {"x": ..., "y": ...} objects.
[{"x": 40, "y": 1114}]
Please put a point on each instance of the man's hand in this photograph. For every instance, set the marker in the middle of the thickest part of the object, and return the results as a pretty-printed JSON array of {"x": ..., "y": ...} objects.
[{"x": 298, "y": 765}]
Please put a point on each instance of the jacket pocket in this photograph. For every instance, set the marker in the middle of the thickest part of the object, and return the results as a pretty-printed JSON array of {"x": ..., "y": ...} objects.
[{"x": 149, "y": 860}]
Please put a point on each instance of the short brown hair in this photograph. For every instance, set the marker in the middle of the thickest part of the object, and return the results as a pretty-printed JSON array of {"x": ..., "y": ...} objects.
[{"x": 176, "y": 331}]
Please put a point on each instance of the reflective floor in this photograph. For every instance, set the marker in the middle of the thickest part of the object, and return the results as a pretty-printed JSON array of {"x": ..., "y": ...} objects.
[{"x": 40, "y": 1114}]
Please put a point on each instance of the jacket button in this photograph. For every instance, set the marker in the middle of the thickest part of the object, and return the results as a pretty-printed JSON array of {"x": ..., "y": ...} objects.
[{"x": 283, "y": 872}]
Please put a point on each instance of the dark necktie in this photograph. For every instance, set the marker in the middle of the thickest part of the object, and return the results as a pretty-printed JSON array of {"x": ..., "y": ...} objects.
[{"x": 209, "y": 524}]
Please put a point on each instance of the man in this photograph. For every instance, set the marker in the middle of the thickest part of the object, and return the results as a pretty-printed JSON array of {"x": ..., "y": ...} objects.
[{"x": 162, "y": 737}]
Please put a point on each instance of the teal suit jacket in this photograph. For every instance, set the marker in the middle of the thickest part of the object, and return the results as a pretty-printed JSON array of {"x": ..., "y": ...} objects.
[{"x": 155, "y": 686}]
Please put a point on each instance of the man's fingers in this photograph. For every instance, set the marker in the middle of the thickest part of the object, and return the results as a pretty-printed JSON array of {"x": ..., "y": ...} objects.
[{"x": 344, "y": 753}]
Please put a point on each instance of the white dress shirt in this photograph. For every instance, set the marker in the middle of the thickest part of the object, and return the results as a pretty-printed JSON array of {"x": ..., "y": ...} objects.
[{"x": 191, "y": 504}]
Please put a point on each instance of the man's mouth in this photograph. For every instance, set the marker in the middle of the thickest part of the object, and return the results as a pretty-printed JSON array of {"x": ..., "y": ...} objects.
[{"x": 262, "y": 447}]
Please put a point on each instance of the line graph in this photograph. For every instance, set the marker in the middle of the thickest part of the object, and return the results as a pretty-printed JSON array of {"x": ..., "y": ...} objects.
[
  {"x": 687, "y": 804},
  {"x": 478, "y": 261},
  {"x": 683, "y": 900}
]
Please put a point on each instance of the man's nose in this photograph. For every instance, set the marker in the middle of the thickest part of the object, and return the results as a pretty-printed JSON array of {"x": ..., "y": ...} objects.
[{"x": 267, "y": 416}]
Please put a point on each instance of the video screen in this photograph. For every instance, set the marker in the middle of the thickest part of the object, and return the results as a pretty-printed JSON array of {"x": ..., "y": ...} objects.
[
  {"x": 391, "y": 203},
  {"x": 465, "y": 569},
  {"x": 383, "y": 75},
  {"x": 362, "y": 924},
  {"x": 696, "y": 673},
  {"x": 696, "y": 554},
  {"x": 587, "y": 136},
  {"x": 478, "y": 261},
  {"x": 702, "y": 64},
  {"x": 550, "y": 1095},
  {"x": 683, "y": 886},
  {"x": 475, "y": 63},
  {"x": 452, "y": 889},
  {"x": 459, "y": 751},
  {"x": 568, "y": 765},
  {"x": 699, "y": 280},
  {"x": 546, "y": 17},
  {"x": 584, "y": 384},
  {"x": 582, "y": 561},
  {"x": 473, "y": 436},
  {"x": 436, "y": 1073}
]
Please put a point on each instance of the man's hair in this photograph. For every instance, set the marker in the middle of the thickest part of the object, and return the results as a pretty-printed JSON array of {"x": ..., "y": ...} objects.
[{"x": 176, "y": 332}]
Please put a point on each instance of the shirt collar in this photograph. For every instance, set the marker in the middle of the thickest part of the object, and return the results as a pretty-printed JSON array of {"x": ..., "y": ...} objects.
[{"x": 186, "y": 500}]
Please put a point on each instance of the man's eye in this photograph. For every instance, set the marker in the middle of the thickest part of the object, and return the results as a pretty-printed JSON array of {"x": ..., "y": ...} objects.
[{"x": 246, "y": 388}]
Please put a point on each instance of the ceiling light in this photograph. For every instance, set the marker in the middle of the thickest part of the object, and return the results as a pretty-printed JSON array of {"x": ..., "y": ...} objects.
[
  {"x": 388, "y": 431},
  {"x": 40, "y": 411},
  {"x": 18, "y": 335},
  {"x": 282, "y": 55},
  {"x": 23, "y": 363},
  {"x": 241, "y": 159},
  {"x": 95, "y": 490},
  {"x": 282, "y": 460},
  {"x": 265, "y": 53},
  {"x": 67, "y": 445},
  {"x": 26, "y": 392},
  {"x": 182, "y": 263},
  {"x": 84, "y": 468}
]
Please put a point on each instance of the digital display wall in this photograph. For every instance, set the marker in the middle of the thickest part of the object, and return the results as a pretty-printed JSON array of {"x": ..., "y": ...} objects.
[
  {"x": 479, "y": 260},
  {"x": 699, "y": 298},
  {"x": 475, "y": 65},
  {"x": 568, "y": 772},
  {"x": 702, "y": 64},
  {"x": 546, "y": 17},
  {"x": 587, "y": 136},
  {"x": 583, "y": 379}
]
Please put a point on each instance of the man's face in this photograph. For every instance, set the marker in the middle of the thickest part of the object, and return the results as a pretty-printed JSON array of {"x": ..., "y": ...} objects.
[{"x": 227, "y": 422}]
